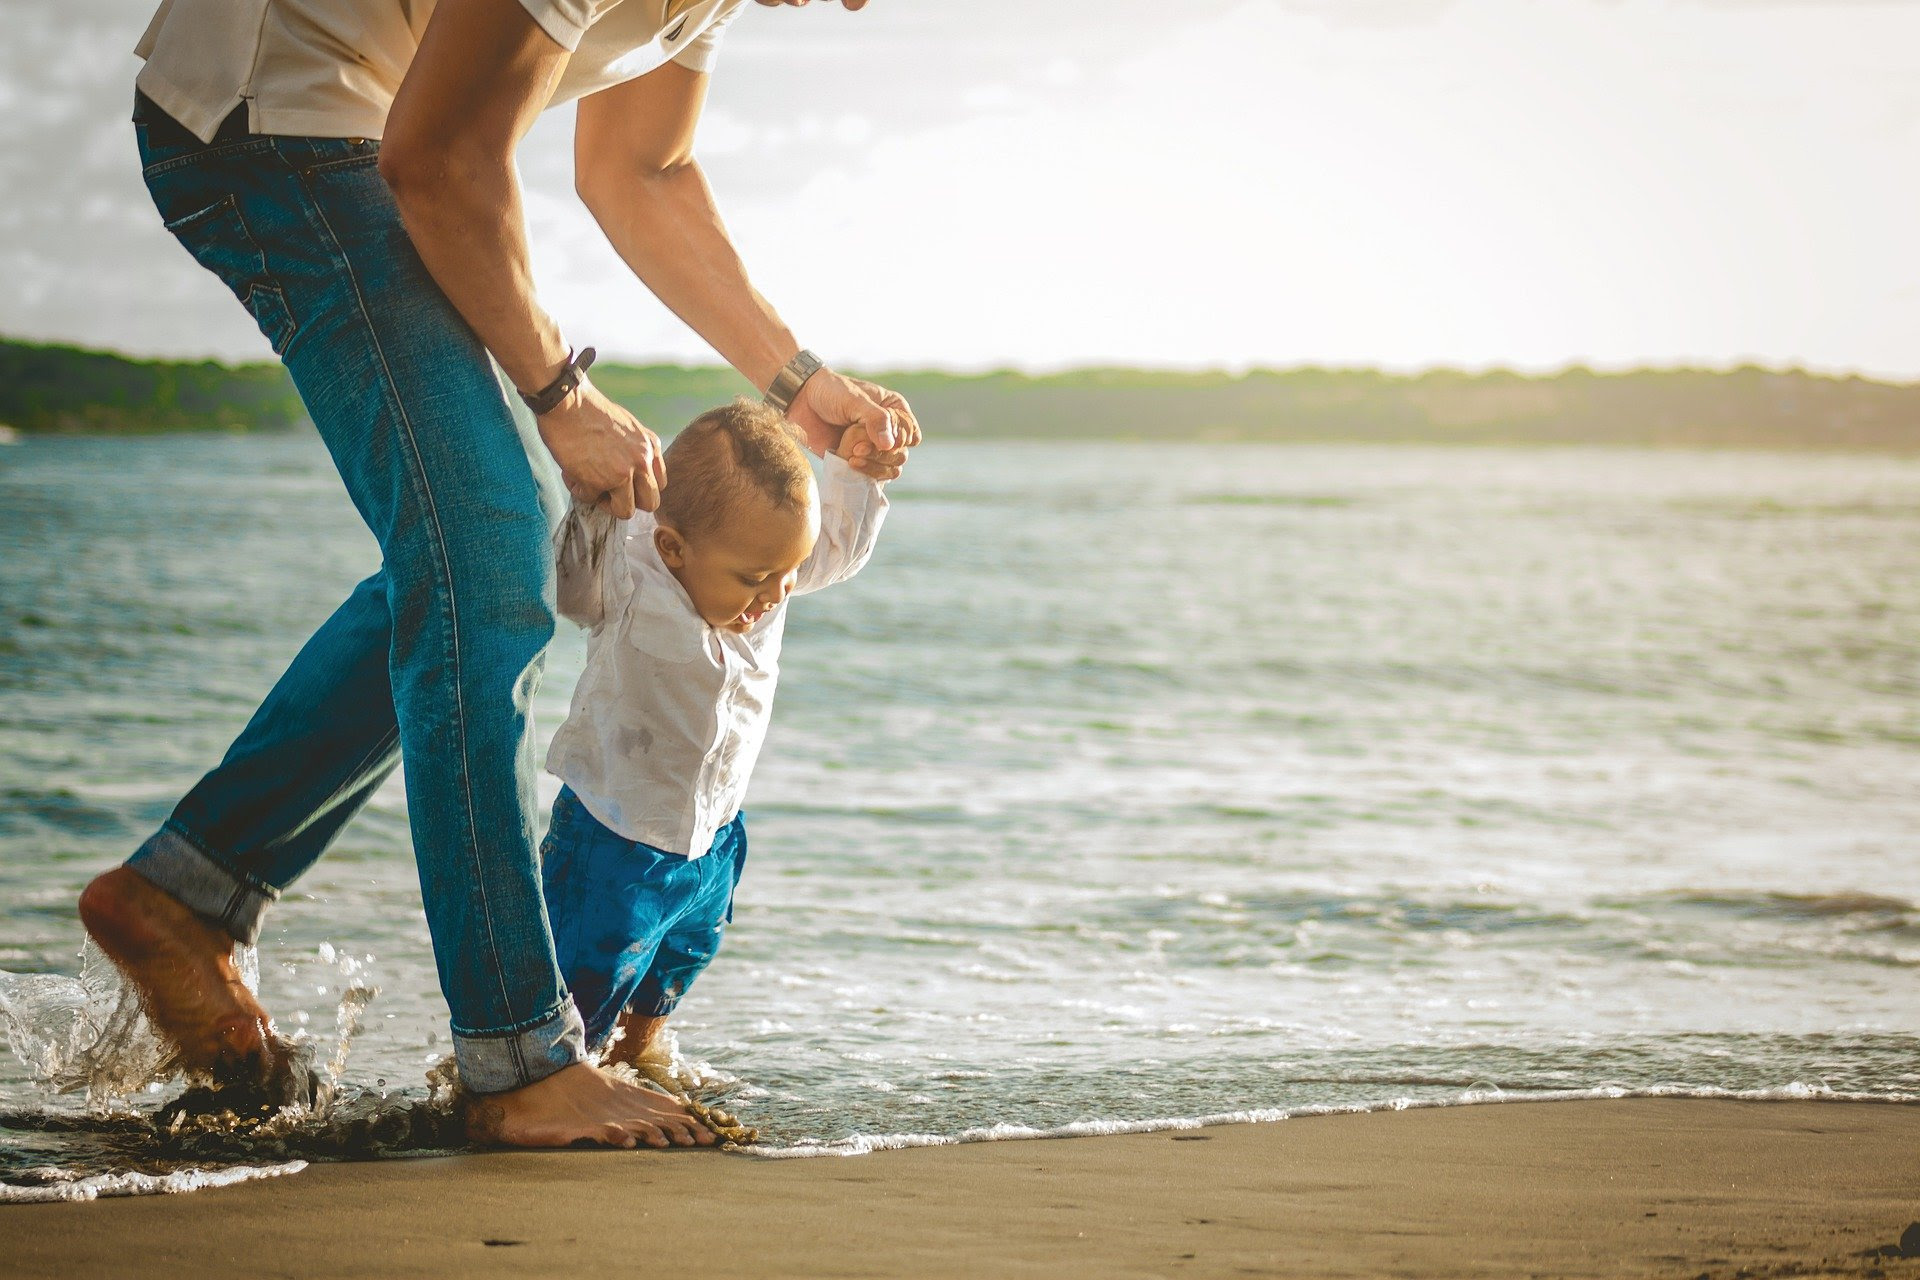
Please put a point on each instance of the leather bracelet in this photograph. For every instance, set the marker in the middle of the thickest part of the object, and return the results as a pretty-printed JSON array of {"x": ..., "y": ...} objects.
[
  {"x": 792, "y": 376},
  {"x": 548, "y": 398}
]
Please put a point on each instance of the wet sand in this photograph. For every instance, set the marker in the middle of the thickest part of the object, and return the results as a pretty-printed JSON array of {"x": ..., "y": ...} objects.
[{"x": 1640, "y": 1187}]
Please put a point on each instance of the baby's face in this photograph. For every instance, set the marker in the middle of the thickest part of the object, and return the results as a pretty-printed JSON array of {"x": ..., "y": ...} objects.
[{"x": 741, "y": 570}]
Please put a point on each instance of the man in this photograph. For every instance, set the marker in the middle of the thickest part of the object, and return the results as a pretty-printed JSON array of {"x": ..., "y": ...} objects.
[{"x": 385, "y": 273}]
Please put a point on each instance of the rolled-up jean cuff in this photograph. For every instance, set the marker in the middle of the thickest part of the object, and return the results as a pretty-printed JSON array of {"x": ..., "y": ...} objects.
[
  {"x": 175, "y": 863},
  {"x": 494, "y": 1062}
]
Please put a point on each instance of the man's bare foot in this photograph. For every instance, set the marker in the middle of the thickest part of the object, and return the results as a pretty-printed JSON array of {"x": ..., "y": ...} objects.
[
  {"x": 183, "y": 968},
  {"x": 582, "y": 1103}
]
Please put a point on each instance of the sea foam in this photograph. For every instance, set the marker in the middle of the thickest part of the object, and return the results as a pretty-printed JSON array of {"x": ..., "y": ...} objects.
[
  {"x": 864, "y": 1144},
  {"x": 60, "y": 1186}
]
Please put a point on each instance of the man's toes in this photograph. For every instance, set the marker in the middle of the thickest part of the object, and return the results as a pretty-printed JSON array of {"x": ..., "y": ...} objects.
[
  {"x": 688, "y": 1132},
  {"x": 614, "y": 1135}
]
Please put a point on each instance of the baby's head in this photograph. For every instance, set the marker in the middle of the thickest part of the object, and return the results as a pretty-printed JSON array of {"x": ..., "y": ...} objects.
[{"x": 740, "y": 511}]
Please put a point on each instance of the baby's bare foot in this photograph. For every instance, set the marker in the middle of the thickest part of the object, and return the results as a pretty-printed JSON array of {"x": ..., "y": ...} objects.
[
  {"x": 582, "y": 1103},
  {"x": 183, "y": 968}
]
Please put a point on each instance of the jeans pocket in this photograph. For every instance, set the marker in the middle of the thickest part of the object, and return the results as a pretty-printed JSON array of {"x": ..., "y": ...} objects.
[
  {"x": 218, "y": 239},
  {"x": 359, "y": 155}
]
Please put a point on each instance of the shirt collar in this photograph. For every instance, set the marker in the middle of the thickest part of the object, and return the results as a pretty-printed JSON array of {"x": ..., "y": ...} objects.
[{"x": 646, "y": 560}]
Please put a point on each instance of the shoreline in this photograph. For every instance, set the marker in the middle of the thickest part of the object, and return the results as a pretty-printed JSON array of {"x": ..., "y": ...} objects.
[
  {"x": 867, "y": 1144},
  {"x": 1610, "y": 1187}
]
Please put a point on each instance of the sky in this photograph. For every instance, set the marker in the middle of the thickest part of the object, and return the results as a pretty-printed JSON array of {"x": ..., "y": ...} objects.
[{"x": 970, "y": 184}]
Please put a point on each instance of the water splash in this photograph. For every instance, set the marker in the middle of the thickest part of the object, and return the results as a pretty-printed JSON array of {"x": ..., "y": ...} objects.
[
  {"x": 85, "y": 1035},
  {"x": 357, "y": 992}
]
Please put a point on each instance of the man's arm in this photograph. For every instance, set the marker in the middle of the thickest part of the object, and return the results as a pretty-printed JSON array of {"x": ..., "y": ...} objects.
[
  {"x": 482, "y": 75},
  {"x": 634, "y": 169}
]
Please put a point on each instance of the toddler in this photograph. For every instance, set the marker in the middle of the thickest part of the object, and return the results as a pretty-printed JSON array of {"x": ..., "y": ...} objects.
[{"x": 687, "y": 605}]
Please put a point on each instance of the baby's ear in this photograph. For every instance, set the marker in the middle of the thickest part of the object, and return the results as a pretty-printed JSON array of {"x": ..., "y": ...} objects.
[{"x": 671, "y": 546}]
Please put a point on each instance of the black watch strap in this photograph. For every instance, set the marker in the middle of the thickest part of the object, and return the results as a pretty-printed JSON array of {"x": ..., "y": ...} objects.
[{"x": 549, "y": 397}]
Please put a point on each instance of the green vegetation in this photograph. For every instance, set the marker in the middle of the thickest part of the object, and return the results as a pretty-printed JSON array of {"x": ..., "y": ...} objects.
[{"x": 53, "y": 388}]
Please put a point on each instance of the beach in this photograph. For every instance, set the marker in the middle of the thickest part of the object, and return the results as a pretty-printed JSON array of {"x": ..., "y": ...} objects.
[
  {"x": 1368, "y": 746},
  {"x": 1631, "y": 1187}
]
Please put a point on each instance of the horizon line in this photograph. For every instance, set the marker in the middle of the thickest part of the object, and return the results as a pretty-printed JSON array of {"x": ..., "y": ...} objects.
[{"x": 1231, "y": 369}]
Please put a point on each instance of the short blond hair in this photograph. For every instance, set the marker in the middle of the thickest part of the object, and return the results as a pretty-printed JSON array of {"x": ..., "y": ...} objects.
[{"x": 725, "y": 454}]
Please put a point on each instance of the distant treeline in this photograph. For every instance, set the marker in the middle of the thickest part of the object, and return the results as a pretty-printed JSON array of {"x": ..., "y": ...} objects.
[{"x": 56, "y": 388}]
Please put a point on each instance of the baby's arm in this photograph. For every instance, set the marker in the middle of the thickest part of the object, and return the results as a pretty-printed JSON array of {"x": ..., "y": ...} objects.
[
  {"x": 852, "y": 508},
  {"x": 586, "y": 556}
]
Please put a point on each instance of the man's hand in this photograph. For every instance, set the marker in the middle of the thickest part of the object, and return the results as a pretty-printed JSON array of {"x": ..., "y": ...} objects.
[
  {"x": 830, "y": 403},
  {"x": 606, "y": 456}
]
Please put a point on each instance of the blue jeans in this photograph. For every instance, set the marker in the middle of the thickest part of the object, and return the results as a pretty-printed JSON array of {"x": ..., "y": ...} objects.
[
  {"x": 435, "y": 657},
  {"x": 633, "y": 925}
]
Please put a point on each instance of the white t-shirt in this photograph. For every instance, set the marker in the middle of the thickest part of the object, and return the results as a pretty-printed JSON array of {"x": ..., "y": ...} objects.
[{"x": 330, "y": 68}]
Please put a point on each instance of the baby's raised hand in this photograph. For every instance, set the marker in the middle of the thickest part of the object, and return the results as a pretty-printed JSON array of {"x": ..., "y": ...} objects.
[{"x": 858, "y": 450}]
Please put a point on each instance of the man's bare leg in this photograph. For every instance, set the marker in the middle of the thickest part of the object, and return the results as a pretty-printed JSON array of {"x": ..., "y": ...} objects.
[{"x": 183, "y": 968}]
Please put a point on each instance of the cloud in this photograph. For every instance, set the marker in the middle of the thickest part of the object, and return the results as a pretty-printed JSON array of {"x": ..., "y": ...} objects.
[
  {"x": 1490, "y": 183},
  {"x": 80, "y": 245},
  {"x": 1404, "y": 181}
]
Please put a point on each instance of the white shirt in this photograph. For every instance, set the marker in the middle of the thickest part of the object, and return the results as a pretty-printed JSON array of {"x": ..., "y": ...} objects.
[
  {"x": 330, "y": 68},
  {"x": 670, "y": 713}
]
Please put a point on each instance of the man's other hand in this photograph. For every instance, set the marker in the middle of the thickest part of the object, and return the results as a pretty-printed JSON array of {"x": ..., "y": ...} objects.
[
  {"x": 830, "y": 403},
  {"x": 606, "y": 456}
]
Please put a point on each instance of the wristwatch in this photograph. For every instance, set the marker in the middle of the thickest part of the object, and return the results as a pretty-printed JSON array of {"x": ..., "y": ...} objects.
[
  {"x": 793, "y": 375},
  {"x": 549, "y": 397}
]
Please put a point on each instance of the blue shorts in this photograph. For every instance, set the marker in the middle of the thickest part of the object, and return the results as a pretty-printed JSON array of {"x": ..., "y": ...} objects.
[{"x": 633, "y": 925}]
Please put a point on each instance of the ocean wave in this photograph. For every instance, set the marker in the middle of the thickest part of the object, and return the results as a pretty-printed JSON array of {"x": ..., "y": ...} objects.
[
  {"x": 1801, "y": 906},
  {"x": 1774, "y": 509},
  {"x": 59, "y": 1186},
  {"x": 24, "y": 810},
  {"x": 1315, "y": 500},
  {"x": 864, "y": 1144}
]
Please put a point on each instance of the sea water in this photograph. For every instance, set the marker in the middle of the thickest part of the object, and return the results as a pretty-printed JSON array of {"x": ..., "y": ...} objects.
[{"x": 1130, "y": 785}]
